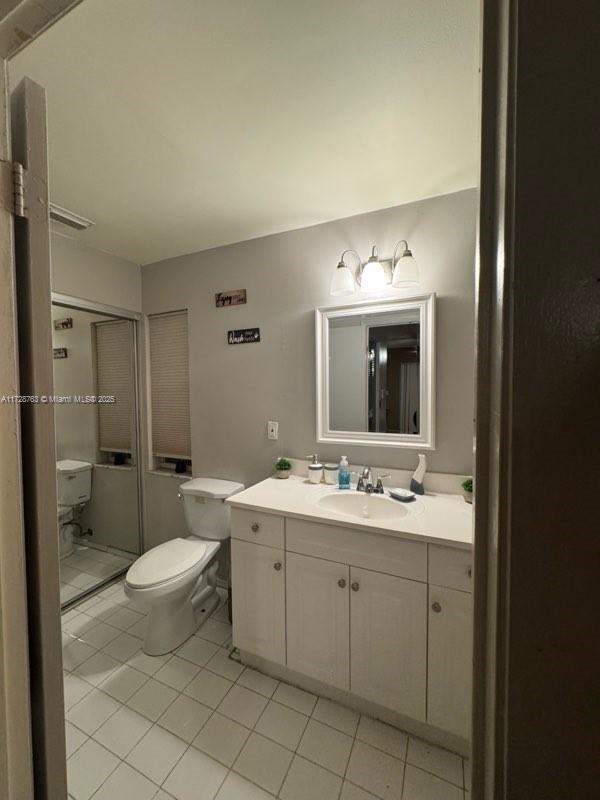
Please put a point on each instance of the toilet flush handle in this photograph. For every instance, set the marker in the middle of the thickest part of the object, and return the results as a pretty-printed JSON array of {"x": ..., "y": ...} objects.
[{"x": 179, "y": 496}]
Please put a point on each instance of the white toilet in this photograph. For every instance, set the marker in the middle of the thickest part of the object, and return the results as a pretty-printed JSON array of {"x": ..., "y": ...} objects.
[
  {"x": 74, "y": 490},
  {"x": 176, "y": 582}
]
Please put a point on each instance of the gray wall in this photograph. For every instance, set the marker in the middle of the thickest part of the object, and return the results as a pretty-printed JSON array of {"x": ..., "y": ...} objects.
[
  {"x": 236, "y": 389},
  {"x": 85, "y": 272}
]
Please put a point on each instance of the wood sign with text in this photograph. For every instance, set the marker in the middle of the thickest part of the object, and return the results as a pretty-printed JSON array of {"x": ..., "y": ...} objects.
[
  {"x": 236, "y": 297},
  {"x": 243, "y": 336}
]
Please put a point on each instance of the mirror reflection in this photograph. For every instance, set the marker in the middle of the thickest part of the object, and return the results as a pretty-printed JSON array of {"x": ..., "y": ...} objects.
[{"x": 374, "y": 372}]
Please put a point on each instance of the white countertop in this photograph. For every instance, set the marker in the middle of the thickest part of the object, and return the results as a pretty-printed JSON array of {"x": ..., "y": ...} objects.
[{"x": 438, "y": 518}]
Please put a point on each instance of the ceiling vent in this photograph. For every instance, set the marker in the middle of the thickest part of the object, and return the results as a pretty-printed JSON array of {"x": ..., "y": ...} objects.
[{"x": 69, "y": 218}]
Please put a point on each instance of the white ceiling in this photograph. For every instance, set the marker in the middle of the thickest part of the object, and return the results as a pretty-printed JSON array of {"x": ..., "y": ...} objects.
[{"x": 188, "y": 124}]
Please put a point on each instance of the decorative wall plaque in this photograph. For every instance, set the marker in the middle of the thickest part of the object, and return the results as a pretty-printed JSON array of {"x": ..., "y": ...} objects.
[
  {"x": 59, "y": 352},
  {"x": 243, "y": 336},
  {"x": 63, "y": 324},
  {"x": 236, "y": 297}
]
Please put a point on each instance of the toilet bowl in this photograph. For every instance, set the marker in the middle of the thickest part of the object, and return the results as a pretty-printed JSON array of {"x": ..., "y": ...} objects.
[
  {"x": 65, "y": 534},
  {"x": 176, "y": 582},
  {"x": 74, "y": 490}
]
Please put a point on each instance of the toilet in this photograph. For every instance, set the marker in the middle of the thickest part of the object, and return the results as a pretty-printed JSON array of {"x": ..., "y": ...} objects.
[
  {"x": 73, "y": 490},
  {"x": 176, "y": 582}
]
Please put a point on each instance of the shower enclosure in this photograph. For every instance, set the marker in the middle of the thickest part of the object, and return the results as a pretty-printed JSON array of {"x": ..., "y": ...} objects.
[{"x": 97, "y": 443}]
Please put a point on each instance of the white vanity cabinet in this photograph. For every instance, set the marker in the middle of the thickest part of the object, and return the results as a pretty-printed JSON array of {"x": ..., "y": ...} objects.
[{"x": 383, "y": 618}]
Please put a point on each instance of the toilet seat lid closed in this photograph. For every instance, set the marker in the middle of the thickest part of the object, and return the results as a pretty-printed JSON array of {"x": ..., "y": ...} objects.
[{"x": 166, "y": 561}]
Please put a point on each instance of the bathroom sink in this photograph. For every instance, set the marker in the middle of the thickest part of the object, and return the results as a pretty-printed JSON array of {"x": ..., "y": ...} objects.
[{"x": 365, "y": 506}]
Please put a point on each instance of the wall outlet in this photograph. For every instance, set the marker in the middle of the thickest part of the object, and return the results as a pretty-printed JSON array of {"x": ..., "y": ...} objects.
[{"x": 273, "y": 430}]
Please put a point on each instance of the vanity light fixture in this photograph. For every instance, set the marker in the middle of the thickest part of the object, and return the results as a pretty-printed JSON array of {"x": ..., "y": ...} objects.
[
  {"x": 405, "y": 270},
  {"x": 342, "y": 280},
  {"x": 370, "y": 277}
]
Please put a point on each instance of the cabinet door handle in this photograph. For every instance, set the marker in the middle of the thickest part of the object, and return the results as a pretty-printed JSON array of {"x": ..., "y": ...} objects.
[
  {"x": 355, "y": 586},
  {"x": 277, "y": 565},
  {"x": 342, "y": 583},
  {"x": 255, "y": 527},
  {"x": 436, "y": 607}
]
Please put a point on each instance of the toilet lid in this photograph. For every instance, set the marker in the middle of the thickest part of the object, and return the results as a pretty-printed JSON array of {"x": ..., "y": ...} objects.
[{"x": 166, "y": 561}]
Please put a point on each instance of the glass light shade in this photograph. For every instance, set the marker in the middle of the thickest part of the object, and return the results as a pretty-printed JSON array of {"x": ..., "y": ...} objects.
[
  {"x": 342, "y": 281},
  {"x": 406, "y": 271},
  {"x": 372, "y": 278}
]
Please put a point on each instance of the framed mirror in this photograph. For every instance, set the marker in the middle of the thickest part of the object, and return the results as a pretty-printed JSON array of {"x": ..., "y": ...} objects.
[{"x": 376, "y": 373}]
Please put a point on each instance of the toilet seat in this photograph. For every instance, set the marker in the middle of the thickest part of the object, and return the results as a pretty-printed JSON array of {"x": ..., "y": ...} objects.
[{"x": 170, "y": 560}]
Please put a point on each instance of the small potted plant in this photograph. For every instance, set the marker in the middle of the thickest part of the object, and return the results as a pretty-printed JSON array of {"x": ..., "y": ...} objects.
[
  {"x": 467, "y": 486},
  {"x": 283, "y": 468}
]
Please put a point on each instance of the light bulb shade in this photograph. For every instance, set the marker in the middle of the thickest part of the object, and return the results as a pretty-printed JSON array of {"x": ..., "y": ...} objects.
[
  {"x": 372, "y": 278},
  {"x": 342, "y": 281},
  {"x": 406, "y": 271}
]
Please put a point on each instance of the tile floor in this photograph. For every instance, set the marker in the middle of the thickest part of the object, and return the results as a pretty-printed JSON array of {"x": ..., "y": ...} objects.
[
  {"x": 87, "y": 567},
  {"x": 195, "y": 725}
]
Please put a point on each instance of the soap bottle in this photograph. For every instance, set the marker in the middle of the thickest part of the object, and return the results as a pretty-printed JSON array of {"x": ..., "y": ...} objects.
[
  {"x": 315, "y": 469},
  {"x": 343, "y": 474},
  {"x": 416, "y": 484}
]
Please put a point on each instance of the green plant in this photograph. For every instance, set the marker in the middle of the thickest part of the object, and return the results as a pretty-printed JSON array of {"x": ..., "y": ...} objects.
[
  {"x": 282, "y": 464},
  {"x": 467, "y": 485}
]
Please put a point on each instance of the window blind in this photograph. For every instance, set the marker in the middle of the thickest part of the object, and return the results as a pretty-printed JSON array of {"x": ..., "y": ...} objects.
[
  {"x": 170, "y": 385},
  {"x": 113, "y": 341}
]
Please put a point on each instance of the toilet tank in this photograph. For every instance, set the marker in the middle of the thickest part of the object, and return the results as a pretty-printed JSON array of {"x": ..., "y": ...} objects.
[
  {"x": 206, "y": 513},
  {"x": 74, "y": 482}
]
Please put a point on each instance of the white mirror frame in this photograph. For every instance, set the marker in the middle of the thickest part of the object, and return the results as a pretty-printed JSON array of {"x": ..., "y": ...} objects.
[{"x": 425, "y": 440}]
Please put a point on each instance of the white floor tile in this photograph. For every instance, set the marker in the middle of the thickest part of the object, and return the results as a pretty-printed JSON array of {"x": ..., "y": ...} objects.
[
  {"x": 177, "y": 673},
  {"x": 75, "y": 654},
  {"x": 243, "y": 706},
  {"x": 436, "y": 760},
  {"x": 238, "y": 788},
  {"x": 97, "y": 668},
  {"x": 339, "y": 717},
  {"x": 139, "y": 629},
  {"x": 95, "y": 708},
  {"x": 123, "y": 647},
  {"x": 123, "y": 682},
  {"x": 375, "y": 771},
  {"x": 295, "y": 698},
  {"x": 326, "y": 746},
  {"x": 121, "y": 732},
  {"x": 307, "y": 781},
  {"x": 208, "y": 688},
  {"x": 382, "y": 736},
  {"x": 88, "y": 768},
  {"x": 79, "y": 624},
  {"x": 282, "y": 724},
  {"x": 156, "y": 754},
  {"x": 100, "y": 634},
  {"x": 420, "y": 785},
  {"x": 75, "y": 689},
  {"x": 197, "y": 650},
  {"x": 101, "y": 610},
  {"x": 149, "y": 665},
  {"x": 185, "y": 717},
  {"x": 74, "y": 738},
  {"x": 152, "y": 699},
  {"x": 222, "y": 739},
  {"x": 126, "y": 783},
  {"x": 263, "y": 684},
  {"x": 123, "y": 618},
  {"x": 225, "y": 666},
  {"x": 263, "y": 762},
  {"x": 214, "y": 631},
  {"x": 352, "y": 792},
  {"x": 196, "y": 777}
]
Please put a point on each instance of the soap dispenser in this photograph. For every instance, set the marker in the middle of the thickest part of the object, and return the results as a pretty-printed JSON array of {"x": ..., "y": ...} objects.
[
  {"x": 315, "y": 469},
  {"x": 416, "y": 484},
  {"x": 343, "y": 474}
]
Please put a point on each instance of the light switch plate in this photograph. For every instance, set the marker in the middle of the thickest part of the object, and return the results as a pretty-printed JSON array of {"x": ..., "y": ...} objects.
[{"x": 272, "y": 430}]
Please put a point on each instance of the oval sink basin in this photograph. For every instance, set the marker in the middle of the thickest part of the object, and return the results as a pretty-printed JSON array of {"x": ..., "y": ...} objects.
[{"x": 365, "y": 506}]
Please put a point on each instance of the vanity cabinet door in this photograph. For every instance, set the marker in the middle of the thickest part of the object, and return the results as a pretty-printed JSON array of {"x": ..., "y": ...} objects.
[
  {"x": 450, "y": 660},
  {"x": 388, "y": 629},
  {"x": 318, "y": 631},
  {"x": 258, "y": 595}
]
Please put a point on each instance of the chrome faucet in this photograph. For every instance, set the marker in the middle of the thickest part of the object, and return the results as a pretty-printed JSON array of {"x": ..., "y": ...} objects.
[{"x": 365, "y": 481}]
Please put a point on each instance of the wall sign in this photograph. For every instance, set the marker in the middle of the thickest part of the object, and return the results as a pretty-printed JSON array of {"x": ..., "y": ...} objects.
[
  {"x": 243, "y": 336},
  {"x": 236, "y": 297},
  {"x": 59, "y": 352},
  {"x": 63, "y": 324}
]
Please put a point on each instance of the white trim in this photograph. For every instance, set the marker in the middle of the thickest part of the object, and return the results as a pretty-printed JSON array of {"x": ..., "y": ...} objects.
[
  {"x": 425, "y": 304},
  {"x": 70, "y": 301}
]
